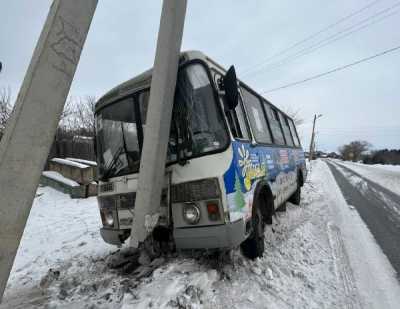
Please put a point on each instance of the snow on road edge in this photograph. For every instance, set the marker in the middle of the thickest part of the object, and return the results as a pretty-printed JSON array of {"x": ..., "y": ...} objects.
[
  {"x": 375, "y": 277},
  {"x": 388, "y": 177}
]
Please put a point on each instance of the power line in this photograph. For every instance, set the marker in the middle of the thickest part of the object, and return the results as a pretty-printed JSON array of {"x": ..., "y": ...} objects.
[
  {"x": 331, "y": 39},
  {"x": 363, "y": 128},
  {"x": 333, "y": 70},
  {"x": 308, "y": 38}
]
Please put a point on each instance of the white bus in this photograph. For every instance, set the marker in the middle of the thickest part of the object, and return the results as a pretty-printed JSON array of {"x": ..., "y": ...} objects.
[{"x": 233, "y": 159}]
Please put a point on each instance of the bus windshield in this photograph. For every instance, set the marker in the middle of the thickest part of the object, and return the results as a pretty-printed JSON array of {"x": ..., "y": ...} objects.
[{"x": 197, "y": 126}]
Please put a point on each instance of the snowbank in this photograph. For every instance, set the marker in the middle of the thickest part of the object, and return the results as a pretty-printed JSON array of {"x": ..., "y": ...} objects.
[
  {"x": 387, "y": 176},
  {"x": 60, "y": 178},
  {"x": 86, "y": 162},
  {"x": 375, "y": 277},
  {"x": 69, "y": 162}
]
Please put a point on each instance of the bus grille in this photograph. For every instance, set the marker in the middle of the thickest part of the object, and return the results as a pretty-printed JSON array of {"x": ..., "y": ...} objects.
[
  {"x": 127, "y": 200},
  {"x": 107, "y": 187}
]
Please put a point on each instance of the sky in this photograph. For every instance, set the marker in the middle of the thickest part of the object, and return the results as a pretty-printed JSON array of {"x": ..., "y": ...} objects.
[{"x": 361, "y": 102}]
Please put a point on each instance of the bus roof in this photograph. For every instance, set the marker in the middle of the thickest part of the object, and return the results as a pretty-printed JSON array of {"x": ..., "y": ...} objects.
[{"x": 143, "y": 81}]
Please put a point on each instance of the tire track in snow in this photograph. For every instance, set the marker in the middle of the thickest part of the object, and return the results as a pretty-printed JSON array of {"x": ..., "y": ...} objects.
[
  {"x": 342, "y": 267},
  {"x": 378, "y": 215}
]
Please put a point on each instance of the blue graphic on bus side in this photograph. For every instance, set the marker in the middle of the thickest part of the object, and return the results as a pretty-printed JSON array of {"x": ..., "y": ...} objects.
[{"x": 249, "y": 165}]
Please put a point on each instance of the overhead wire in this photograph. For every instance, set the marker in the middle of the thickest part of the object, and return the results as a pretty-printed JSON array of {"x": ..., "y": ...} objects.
[
  {"x": 331, "y": 39},
  {"x": 343, "y": 67},
  {"x": 310, "y": 37}
]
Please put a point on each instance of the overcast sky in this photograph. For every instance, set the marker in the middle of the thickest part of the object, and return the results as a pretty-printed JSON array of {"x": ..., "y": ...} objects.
[{"x": 361, "y": 102}]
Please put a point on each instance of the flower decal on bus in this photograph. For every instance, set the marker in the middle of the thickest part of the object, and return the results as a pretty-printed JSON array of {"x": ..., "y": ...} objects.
[
  {"x": 244, "y": 161},
  {"x": 249, "y": 165},
  {"x": 253, "y": 167}
]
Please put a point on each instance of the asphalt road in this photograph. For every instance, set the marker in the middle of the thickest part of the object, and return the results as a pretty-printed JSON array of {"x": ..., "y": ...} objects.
[{"x": 377, "y": 206}]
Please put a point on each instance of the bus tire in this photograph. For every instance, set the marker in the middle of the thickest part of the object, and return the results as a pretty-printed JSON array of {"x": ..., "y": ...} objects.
[
  {"x": 282, "y": 208},
  {"x": 253, "y": 246},
  {"x": 296, "y": 196}
]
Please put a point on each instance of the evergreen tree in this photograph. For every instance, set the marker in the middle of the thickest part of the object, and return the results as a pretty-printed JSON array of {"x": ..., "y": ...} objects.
[{"x": 239, "y": 199}]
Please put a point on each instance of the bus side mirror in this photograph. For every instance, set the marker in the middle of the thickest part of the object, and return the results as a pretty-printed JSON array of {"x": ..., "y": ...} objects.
[{"x": 231, "y": 88}]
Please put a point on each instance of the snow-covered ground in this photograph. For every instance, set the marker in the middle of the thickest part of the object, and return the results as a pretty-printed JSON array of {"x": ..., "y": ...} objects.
[
  {"x": 318, "y": 255},
  {"x": 387, "y": 176}
]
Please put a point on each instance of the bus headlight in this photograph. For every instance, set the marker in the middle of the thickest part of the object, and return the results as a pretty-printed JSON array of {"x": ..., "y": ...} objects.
[
  {"x": 191, "y": 213},
  {"x": 107, "y": 217}
]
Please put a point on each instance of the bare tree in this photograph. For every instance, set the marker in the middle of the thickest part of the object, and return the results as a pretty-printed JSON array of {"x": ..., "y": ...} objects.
[
  {"x": 354, "y": 150},
  {"x": 85, "y": 114},
  {"x": 294, "y": 114},
  {"x": 5, "y": 108},
  {"x": 76, "y": 129},
  {"x": 78, "y": 116}
]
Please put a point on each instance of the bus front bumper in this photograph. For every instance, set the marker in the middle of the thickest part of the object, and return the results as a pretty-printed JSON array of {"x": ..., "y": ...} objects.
[
  {"x": 227, "y": 235},
  {"x": 114, "y": 237}
]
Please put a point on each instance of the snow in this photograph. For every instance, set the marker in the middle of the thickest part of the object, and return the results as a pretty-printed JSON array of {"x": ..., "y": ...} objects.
[
  {"x": 86, "y": 162},
  {"x": 374, "y": 275},
  {"x": 70, "y": 163},
  {"x": 362, "y": 185},
  {"x": 318, "y": 255},
  {"x": 60, "y": 233},
  {"x": 387, "y": 176},
  {"x": 60, "y": 178}
]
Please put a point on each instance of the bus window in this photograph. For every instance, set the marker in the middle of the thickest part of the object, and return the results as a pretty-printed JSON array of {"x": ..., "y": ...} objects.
[
  {"x": 294, "y": 133},
  {"x": 237, "y": 122},
  {"x": 286, "y": 130},
  {"x": 256, "y": 116},
  {"x": 143, "y": 103},
  {"x": 274, "y": 123}
]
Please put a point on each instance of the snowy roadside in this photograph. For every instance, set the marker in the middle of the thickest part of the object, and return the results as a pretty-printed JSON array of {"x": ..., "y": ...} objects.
[
  {"x": 374, "y": 276},
  {"x": 387, "y": 176},
  {"x": 317, "y": 255},
  {"x": 60, "y": 231},
  {"x": 363, "y": 187}
]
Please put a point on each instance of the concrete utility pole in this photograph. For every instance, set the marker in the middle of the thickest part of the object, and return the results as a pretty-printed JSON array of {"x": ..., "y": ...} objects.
[
  {"x": 312, "y": 143},
  {"x": 154, "y": 152},
  {"x": 25, "y": 145}
]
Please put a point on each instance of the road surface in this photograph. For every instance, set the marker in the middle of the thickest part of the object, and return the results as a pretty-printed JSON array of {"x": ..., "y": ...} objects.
[{"x": 377, "y": 206}]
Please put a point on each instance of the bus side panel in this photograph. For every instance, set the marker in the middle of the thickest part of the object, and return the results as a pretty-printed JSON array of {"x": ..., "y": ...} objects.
[{"x": 250, "y": 164}]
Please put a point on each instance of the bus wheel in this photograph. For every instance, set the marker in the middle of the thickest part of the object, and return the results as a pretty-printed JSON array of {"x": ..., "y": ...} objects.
[
  {"x": 253, "y": 246},
  {"x": 282, "y": 208},
  {"x": 295, "y": 198}
]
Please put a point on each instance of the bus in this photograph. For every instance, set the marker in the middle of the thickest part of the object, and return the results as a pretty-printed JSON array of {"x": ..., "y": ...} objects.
[{"x": 233, "y": 160}]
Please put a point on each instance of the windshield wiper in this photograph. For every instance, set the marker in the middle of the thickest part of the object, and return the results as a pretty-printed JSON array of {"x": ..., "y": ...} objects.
[
  {"x": 122, "y": 149},
  {"x": 113, "y": 163}
]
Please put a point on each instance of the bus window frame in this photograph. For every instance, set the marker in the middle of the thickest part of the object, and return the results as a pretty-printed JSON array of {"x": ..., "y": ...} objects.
[
  {"x": 216, "y": 76},
  {"x": 295, "y": 132},
  {"x": 290, "y": 130},
  {"x": 254, "y": 140},
  {"x": 246, "y": 120},
  {"x": 274, "y": 108},
  {"x": 283, "y": 117},
  {"x": 182, "y": 66},
  {"x": 218, "y": 70}
]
